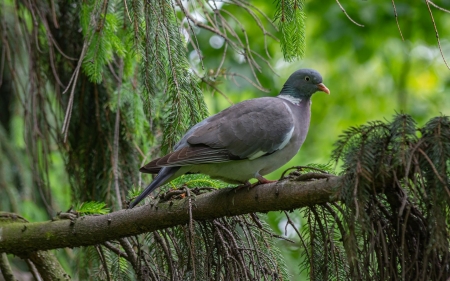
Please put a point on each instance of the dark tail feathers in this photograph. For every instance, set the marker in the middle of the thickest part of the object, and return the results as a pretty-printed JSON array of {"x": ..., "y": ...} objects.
[{"x": 160, "y": 179}]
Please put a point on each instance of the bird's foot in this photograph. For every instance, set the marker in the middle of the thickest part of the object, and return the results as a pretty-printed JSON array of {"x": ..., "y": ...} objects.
[
  {"x": 244, "y": 185},
  {"x": 71, "y": 215},
  {"x": 248, "y": 185},
  {"x": 172, "y": 194},
  {"x": 262, "y": 180}
]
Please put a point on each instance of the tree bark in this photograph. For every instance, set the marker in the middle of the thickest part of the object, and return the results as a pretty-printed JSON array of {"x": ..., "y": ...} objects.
[
  {"x": 5, "y": 268},
  {"x": 22, "y": 238},
  {"x": 48, "y": 266}
]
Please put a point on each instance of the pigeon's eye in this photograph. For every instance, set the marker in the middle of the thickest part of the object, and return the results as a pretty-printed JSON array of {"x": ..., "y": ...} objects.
[{"x": 307, "y": 78}]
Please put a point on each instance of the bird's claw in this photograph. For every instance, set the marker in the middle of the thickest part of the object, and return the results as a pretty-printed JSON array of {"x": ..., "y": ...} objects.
[
  {"x": 71, "y": 215},
  {"x": 249, "y": 185},
  {"x": 262, "y": 180},
  {"x": 244, "y": 185}
]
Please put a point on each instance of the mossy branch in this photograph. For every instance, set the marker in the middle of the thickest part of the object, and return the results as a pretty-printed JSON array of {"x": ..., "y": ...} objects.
[{"x": 21, "y": 238}]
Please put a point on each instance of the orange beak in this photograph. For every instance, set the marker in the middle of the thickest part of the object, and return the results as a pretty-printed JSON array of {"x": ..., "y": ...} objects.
[{"x": 323, "y": 88}]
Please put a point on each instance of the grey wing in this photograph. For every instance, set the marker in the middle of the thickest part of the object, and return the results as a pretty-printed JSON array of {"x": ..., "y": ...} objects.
[
  {"x": 188, "y": 155},
  {"x": 247, "y": 130}
]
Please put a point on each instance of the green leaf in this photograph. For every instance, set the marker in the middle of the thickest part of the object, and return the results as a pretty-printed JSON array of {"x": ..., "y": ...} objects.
[{"x": 92, "y": 208}]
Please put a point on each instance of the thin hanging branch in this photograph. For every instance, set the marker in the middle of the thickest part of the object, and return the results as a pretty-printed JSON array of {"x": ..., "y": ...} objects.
[
  {"x": 396, "y": 20},
  {"x": 439, "y": 7},
  {"x": 72, "y": 84},
  {"x": 221, "y": 22},
  {"x": 116, "y": 139},
  {"x": 5, "y": 268},
  {"x": 96, "y": 22},
  {"x": 348, "y": 16},
  {"x": 436, "y": 31}
]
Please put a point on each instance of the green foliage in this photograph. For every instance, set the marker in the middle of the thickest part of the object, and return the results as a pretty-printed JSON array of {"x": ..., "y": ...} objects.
[
  {"x": 291, "y": 19},
  {"x": 165, "y": 68},
  {"x": 322, "y": 261},
  {"x": 92, "y": 208},
  {"x": 119, "y": 267},
  {"x": 393, "y": 220},
  {"x": 196, "y": 180},
  {"x": 314, "y": 167},
  {"x": 233, "y": 248},
  {"x": 188, "y": 180},
  {"x": 103, "y": 40},
  {"x": 370, "y": 71},
  {"x": 100, "y": 263}
]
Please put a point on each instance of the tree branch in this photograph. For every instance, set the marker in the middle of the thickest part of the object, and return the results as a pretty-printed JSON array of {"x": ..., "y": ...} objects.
[
  {"x": 20, "y": 238},
  {"x": 47, "y": 265},
  {"x": 5, "y": 268}
]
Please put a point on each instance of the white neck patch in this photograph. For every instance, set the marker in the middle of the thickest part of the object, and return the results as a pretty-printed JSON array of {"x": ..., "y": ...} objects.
[{"x": 291, "y": 99}]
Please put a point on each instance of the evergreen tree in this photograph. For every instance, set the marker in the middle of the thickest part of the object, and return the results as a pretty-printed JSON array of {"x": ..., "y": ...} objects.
[{"x": 97, "y": 88}]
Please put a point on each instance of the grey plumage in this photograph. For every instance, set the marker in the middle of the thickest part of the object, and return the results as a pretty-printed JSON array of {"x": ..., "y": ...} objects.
[{"x": 247, "y": 140}]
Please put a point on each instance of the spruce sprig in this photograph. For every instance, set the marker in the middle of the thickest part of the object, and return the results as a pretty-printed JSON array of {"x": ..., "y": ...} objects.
[{"x": 291, "y": 19}]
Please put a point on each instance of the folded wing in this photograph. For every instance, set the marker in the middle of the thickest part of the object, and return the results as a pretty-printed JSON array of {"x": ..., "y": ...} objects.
[{"x": 247, "y": 130}]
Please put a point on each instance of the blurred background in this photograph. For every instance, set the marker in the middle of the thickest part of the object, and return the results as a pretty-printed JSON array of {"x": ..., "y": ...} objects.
[{"x": 371, "y": 71}]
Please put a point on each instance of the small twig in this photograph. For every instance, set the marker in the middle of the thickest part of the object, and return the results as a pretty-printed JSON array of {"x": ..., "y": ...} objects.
[
  {"x": 396, "y": 19},
  {"x": 355, "y": 197},
  {"x": 116, "y": 250},
  {"x": 194, "y": 44},
  {"x": 345, "y": 12},
  {"x": 289, "y": 221},
  {"x": 255, "y": 219},
  {"x": 191, "y": 231},
  {"x": 301, "y": 168},
  {"x": 33, "y": 270},
  {"x": 435, "y": 170},
  {"x": 437, "y": 34},
  {"x": 237, "y": 255},
  {"x": 222, "y": 61},
  {"x": 126, "y": 9},
  {"x": 252, "y": 241},
  {"x": 2, "y": 65},
  {"x": 55, "y": 44},
  {"x": 55, "y": 20},
  {"x": 404, "y": 226},
  {"x": 170, "y": 261},
  {"x": 5, "y": 268},
  {"x": 111, "y": 69},
  {"x": 215, "y": 88},
  {"x": 439, "y": 7},
  {"x": 132, "y": 257},
  {"x": 249, "y": 81},
  {"x": 275, "y": 235},
  {"x": 211, "y": 84},
  {"x": 101, "y": 254},
  {"x": 73, "y": 81},
  {"x": 116, "y": 138}
]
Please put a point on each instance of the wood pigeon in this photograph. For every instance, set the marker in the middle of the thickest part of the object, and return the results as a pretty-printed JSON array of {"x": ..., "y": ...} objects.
[{"x": 247, "y": 140}]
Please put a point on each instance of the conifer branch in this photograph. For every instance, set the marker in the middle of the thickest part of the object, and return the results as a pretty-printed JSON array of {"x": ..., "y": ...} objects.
[{"x": 93, "y": 230}]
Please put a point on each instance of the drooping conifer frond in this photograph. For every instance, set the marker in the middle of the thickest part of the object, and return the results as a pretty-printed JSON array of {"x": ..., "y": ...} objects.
[
  {"x": 393, "y": 221},
  {"x": 235, "y": 248},
  {"x": 291, "y": 19}
]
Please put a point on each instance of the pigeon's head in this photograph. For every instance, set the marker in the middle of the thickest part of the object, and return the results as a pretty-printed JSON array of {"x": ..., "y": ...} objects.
[{"x": 303, "y": 83}]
